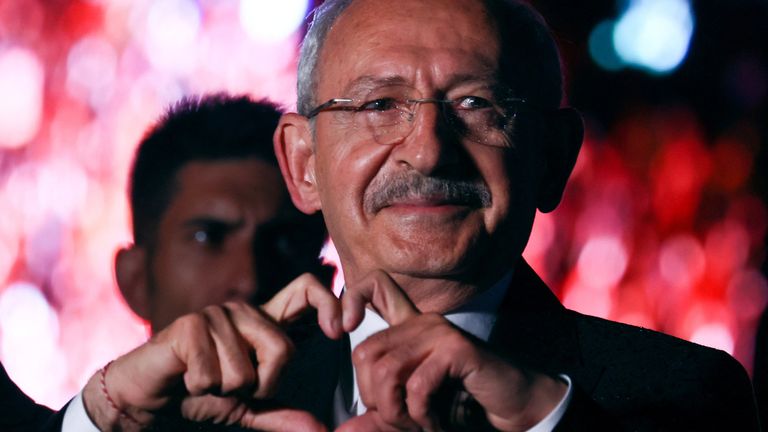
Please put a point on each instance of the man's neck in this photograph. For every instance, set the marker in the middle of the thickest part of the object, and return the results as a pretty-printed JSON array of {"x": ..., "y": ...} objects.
[
  {"x": 436, "y": 295},
  {"x": 441, "y": 295}
]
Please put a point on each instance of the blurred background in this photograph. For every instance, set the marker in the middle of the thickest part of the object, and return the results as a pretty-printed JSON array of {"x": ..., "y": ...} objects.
[{"x": 663, "y": 224}]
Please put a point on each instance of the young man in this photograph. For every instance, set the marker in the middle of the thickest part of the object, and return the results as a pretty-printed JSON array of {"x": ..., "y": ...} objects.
[{"x": 212, "y": 221}]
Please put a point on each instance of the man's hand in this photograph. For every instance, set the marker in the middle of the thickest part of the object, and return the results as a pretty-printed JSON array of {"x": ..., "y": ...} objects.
[
  {"x": 400, "y": 370},
  {"x": 215, "y": 365}
]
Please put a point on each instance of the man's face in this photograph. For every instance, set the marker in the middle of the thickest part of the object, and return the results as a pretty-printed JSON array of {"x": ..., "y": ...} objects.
[
  {"x": 439, "y": 49},
  {"x": 205, "y": 244}
]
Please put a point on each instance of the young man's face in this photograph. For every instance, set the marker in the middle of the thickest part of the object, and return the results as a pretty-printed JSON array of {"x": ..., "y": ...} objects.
[{"x": 205, "y": 248}]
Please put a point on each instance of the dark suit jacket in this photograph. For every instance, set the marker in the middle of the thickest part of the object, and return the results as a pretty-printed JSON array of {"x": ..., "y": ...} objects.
[
  {"x": 19, "y": 413},
  {"x": 625, "y": 378}
]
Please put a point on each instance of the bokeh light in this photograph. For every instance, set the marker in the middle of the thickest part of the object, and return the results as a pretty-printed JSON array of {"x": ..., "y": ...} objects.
[
  {"x": 271, "y": 21},
  {"x": 654, "y": 34},
  {"x": 651, "y": 35},
  {"x": 602, "y": 262},
  {"x": 171, "y": 31},
  {"x": 25, "y": 316},
  {"x": 714, "y": 335},
  {"x": 21, "y": 104},
  {"x": 91, "y": 70}
]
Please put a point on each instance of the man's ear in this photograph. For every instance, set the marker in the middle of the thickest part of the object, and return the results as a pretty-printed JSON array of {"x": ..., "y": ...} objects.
[
  {"x": 563, "y": 134},
  {"x": 295, "y": 153},
  {"x": 131, "y": 275}
]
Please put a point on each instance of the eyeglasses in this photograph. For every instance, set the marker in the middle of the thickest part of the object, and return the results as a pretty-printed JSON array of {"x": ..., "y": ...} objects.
[{"x": 389, "y": 119}]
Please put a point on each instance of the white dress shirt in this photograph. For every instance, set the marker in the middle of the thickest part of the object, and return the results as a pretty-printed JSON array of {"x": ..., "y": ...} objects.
[{"x": 75, "y": 417}]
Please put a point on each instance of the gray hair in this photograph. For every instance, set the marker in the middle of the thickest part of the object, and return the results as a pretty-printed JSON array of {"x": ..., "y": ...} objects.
[
  {"x": 524, "y": 33},
  {"x": 323, "y": 18}
]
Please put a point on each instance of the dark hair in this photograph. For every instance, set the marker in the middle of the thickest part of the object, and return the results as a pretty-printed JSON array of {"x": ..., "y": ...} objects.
[{"x": 203, "y": 128}]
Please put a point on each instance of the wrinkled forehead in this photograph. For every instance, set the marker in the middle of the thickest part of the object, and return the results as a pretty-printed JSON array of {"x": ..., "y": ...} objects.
[
  {"x": 505, "y": 40},
  {"x": 409, "y": 42}
]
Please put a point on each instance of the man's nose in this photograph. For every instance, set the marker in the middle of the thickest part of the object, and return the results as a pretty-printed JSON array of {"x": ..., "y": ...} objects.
[
  {"x": 432, "y": 145},
  {"x": 242, "y": 275}
]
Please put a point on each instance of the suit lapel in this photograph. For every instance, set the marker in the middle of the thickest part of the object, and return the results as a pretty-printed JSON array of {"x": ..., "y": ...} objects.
[{"x": 534, "y": 330}]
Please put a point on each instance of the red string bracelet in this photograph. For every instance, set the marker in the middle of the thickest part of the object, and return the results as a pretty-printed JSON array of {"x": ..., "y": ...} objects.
[{"x": 123, "y": 414}]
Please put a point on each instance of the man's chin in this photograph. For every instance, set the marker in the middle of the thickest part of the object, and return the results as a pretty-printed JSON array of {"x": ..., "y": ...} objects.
[{"x": 426, "y": 262}]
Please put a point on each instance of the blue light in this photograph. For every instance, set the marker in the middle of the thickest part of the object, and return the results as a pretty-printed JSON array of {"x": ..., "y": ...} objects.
[
  {"x": 654, "y": 34},
  {"x": 601, "y": 47}
]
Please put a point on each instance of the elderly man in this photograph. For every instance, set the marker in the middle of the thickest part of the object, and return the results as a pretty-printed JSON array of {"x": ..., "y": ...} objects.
[{"x": 428, "y": 133}]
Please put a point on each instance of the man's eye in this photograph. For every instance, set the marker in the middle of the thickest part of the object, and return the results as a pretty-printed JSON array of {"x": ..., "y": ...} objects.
[
  {"x": 382, "y": 104},
  {"x": 209, "y": 236},
  {"x": 472, "y": 102}
]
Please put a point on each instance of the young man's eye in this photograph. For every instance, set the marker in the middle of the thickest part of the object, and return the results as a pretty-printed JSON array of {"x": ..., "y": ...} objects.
[{"x": 212, "y": 236}]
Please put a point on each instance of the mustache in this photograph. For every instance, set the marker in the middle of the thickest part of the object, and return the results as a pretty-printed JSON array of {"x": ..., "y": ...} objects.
[{"x": 386, "y": 190}]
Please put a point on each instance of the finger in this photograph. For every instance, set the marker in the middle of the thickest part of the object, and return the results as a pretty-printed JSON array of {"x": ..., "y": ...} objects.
[
  {"x": 420, "y": 388},
  {"x": 272, "y": 346},
  {"x": 195, "y": 348},
  {"x": 301, "y": 294},
  {"x": 281, "y": 420},
  {"x": 383, "y": 364},
  {"x": 382, "y": 293},
  {"x": 389, "y": 392},
  {"x": 375, "y": 368},
  {"x": 237, "y": 370}
]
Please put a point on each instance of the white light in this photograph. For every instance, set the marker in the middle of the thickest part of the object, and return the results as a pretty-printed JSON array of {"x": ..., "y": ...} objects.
[
  {"x": 714, "y": 335},
  {"x": 26, "y": 317},
  {"x": 62, "y": 188},
  {"x": 21, "y": 104},
  {"x": 91, "y": 68},
  {"x": 30, "y": 329},
  {"x": 602, "y": 262},
  {"x": 654, "y": 34},
  {"x": 171, "y": 34},
  {"x": 271, "y": 21}
]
